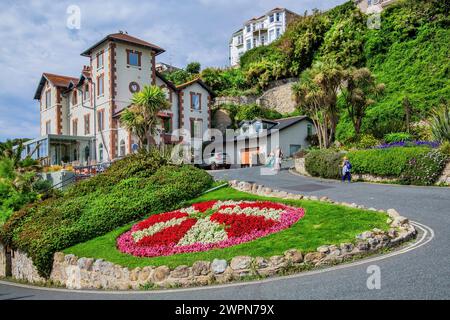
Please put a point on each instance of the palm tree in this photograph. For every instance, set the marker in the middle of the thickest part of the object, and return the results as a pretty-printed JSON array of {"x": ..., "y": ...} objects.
[
  {"x": 359, "y": 93},
  {"x": 141, "y": 118},
  {"x": 316, "y": 93}
]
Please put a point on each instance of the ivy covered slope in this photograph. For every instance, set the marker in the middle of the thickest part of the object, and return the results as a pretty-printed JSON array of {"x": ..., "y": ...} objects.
[
  {"x": 410, "y": 54},
  {"x": 138, "y": 186}
]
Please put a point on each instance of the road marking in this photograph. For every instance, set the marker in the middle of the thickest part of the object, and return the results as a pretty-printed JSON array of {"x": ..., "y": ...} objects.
[{"x": 427, "y": 236}]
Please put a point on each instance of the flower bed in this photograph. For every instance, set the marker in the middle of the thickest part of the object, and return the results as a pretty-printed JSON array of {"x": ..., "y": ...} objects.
[{"x": 205, "y": 226}]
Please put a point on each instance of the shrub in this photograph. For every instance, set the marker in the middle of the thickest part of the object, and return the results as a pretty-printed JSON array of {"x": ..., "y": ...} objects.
[
  {"x": 440, "y": 124},
  {"x": 397, "y": 137},
  {"x": 131, "y": 189},
  {"x": 366, "y": 141},
  {"x": 324, "y": 163},
  {"x": 390, "y": 162},
  {"x": 424, "y": 170},
  {"x": 445, "y": 148}
]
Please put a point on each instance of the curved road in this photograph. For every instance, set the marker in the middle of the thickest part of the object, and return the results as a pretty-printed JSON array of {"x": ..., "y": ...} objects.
[{"x": 422, "y": 273}]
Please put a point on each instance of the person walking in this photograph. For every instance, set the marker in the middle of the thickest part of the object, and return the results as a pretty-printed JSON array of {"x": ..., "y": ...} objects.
[{"x": 346, "y": 170}]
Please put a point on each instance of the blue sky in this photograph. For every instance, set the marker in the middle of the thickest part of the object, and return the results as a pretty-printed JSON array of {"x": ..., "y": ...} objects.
[{"x": 35, "y": 39}]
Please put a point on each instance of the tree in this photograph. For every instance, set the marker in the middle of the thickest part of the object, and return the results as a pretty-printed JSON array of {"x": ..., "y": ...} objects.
[
  {"x": 407, "y": 107},
  {"x": 141, "y": 118},
  {"x": 359, "y": 92},
  {"x": 193, "y": 67},
  {"x": 316, "y": 93}
]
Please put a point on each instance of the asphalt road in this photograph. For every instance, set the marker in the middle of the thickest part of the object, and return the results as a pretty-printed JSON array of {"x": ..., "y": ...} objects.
[{"x": 418, "y": 273}]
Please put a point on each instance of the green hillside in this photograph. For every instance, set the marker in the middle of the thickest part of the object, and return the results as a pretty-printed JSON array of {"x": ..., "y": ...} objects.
[{"x": 409, "y": 54}]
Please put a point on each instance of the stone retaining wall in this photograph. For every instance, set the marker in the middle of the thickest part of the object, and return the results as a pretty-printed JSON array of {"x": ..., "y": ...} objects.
[{"x": 87, "y": 273}]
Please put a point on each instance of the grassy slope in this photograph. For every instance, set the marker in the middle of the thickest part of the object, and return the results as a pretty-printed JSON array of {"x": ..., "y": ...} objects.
[
  {"x": 322, "y": 224},
  {"x": 417, "y": 69}
]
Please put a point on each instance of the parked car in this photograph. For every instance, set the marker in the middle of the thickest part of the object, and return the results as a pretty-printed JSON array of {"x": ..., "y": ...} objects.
[{"x": 218, "y": 160}]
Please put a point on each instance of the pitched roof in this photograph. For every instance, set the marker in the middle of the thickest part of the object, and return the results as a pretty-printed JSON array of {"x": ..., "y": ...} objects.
[
  {"x": 56, "y": 80},
  {"x": 287, "y": 122},
  {"x": 122, "y": 37},
  {"x": 200, "y": 82}
]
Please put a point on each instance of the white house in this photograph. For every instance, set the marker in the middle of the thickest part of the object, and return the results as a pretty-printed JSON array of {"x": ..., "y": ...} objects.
[
  {"x": 259, "y": 32},
  {"x": 80, "y": 116},
  {"x": 254, "y": 140}
]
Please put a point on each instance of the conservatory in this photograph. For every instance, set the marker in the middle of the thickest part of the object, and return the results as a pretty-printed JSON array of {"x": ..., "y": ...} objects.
[{"x": 60, "y": 150}]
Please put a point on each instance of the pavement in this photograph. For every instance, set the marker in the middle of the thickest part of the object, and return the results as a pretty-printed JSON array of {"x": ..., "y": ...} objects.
[{"x": 419, "y": 272}]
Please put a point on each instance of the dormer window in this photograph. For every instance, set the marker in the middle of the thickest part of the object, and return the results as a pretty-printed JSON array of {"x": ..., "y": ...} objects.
[{"x": 134, "y": 58}]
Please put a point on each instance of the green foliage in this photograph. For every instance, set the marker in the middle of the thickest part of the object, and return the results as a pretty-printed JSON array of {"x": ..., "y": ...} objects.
[
  {"x": 131, "y": 189},
  {"x": 366, "y": 141},
  {"x": 445, "y": 148},
  {"x": 254, "y": 111},
  {"x": 344, "y": 42},
  {"x": 142, "y": 117},
  {"x": 193, "y": 68},
  {"x": 409, "y": 54},
  {"x": 179, "y": 76},
  {"x": 324, "y": 163},
  {"x": 424, "y": 170},
  {"x": 301, "y": 41},
  {"x": 390, "y": 162},
  {"x": 225, "y": 81},
  {"x": 256, "y": 55},
  {"x": 413, "y": 165},
  {"x": 440, "y": 123},
  {"x": 398, "y": 137},
  {"x": 19, "y": 185},
  {"x": 249, "y": 112}
]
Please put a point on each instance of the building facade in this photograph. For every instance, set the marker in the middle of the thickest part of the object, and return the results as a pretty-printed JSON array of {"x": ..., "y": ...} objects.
[
  {"x": 259, "y": 32},
  {"x": 80, "y": 116},
  {"x": 254, "y": 140}
]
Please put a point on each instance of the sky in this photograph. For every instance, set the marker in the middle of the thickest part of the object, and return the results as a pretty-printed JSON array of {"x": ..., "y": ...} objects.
[{"x": 35, "y": 38}]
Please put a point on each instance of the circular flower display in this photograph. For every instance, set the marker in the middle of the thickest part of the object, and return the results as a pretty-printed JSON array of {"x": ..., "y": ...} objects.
[{"x": 205, "y": 226}]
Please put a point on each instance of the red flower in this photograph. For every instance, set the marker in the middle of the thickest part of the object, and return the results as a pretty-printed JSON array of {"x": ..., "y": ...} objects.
[
  {"x": 203, "y": 206},
  {"x": 157, "y": 218},
  {"x": 258, "y": 205},
  {"x": 168, "y": 236},
  {"x": 241, "y": 224}
]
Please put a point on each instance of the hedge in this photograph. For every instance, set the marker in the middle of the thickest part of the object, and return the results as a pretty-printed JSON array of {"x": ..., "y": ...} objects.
[
  {"x": 131, "y": 189},
  {"x": 409, "y": 165},
  {"x": 324, "y": 163}
]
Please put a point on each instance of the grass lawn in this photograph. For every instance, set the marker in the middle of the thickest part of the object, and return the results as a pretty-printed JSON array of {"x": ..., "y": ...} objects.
[{"x": 322, "y": 224}]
